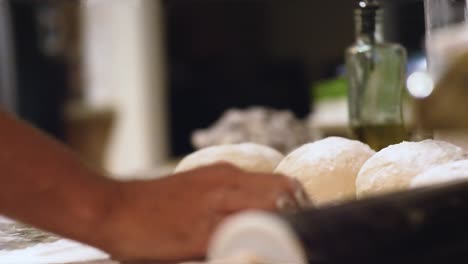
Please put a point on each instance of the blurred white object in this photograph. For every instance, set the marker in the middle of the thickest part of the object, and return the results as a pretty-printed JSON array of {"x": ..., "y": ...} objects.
[
  {"x": 330, "y": 117},
  {"x": 446, "y": 33},
  {"x": 443, "y": 107},
  {"x": 446, "y": 42},
  {"x": 263, "y": 236},
  {"x": 280, "y": 130},
  {"x": 444, "y": 46},
  {"x": 125, "y": 68},
  {"x": 420, "y": 84}
]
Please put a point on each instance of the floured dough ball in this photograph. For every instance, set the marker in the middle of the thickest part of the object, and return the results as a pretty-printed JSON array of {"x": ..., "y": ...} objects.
[
  {"x": 393, "y": 168},
  {"x": 450, "y": 172},
  {"x": 247, "y": 156},
  {"x": 327, "y": 168}
]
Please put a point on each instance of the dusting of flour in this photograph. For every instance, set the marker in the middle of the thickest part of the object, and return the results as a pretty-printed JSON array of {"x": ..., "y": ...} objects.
[
  {"x": 393, "y": 168},
  {"x": 450, "y": 172},
  {"x": 22, "y": 244},
  {"x": 327, "y": 168}
]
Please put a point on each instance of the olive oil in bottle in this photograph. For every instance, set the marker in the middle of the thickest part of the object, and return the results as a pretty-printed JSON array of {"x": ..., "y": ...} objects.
[{"x": 380, "y": 136}]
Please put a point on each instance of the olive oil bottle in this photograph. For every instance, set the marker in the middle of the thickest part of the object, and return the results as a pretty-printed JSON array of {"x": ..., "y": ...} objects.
[{"x": 376, "y": 72}]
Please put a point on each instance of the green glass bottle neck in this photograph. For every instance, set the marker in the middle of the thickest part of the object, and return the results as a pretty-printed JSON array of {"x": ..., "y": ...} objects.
[
  {"x": 369, "y": 39},
  {"x": 369, "y": 29}
]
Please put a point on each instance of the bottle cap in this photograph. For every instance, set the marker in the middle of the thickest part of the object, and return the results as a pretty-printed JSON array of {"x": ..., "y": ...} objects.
[{"x": 368, "y": 13}]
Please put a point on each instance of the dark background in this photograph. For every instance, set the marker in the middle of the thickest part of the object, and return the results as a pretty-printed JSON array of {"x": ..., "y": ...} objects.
[
  {"x": 221, "y": 54},
  {"x": 238, "y": 53}
]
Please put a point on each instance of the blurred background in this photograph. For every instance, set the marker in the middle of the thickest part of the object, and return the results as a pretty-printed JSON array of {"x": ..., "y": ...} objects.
[{"x": 125, "y": 83}]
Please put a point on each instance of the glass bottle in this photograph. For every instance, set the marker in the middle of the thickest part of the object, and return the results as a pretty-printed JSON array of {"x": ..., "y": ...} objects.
[{"x": 376, "y": 73}]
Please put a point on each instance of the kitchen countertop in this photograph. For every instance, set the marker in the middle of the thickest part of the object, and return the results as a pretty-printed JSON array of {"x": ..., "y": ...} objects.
[{"x": 21, "y": 244}]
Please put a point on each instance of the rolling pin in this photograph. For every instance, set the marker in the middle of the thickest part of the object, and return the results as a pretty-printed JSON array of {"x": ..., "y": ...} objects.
[{"x": 428, "y": 225}]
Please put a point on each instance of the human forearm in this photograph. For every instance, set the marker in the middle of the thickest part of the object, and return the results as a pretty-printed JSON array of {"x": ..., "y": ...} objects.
[
  {"x": 171, "y": 219},
  {"x": 44, "y": 184}
]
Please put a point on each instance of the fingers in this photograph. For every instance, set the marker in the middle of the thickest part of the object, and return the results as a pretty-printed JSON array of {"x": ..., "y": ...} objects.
[
  {"x": 195, "y": 202},
  {"x": 287, "y": 204},
  {"x": 290, "y": 193},
  {"x": 296, "y": 189},
  {"x": 222, "y": 171},
  {"x": 257, "y": 191}
]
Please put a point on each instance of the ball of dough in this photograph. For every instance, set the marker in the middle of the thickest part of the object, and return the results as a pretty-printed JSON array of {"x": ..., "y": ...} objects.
[
  {"x": 450, "y": 172},
  {"x": 327, "y": 168},
  {"x": 247, "y": 156},
  {"x": 393, "y": 168}
]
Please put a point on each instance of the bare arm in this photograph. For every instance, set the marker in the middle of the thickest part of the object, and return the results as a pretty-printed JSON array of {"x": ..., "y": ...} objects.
[{"x": 45, "y": 185}]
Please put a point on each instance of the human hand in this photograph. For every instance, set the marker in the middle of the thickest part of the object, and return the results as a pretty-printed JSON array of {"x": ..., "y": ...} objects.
[{"x": 172, "y": 219}]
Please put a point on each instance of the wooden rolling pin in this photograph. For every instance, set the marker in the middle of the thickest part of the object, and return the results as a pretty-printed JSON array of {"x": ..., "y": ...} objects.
[{"x": 420, "y": 226}]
